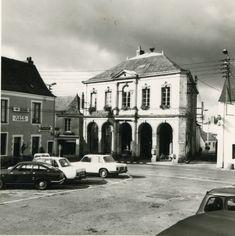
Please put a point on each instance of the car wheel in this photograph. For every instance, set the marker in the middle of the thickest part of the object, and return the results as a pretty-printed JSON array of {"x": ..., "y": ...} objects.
[
  {"x": 1, "y": 184},
  {"x": 103, "y": 173},
  {"x": 41, "y": 184}
]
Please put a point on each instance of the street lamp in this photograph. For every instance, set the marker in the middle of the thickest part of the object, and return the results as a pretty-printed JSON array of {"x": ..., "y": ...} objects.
[{"x": 50, "y": 86}]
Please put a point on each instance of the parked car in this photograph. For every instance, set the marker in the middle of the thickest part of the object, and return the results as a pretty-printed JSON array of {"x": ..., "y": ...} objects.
[
  {"x": 216, "y": 223},
  {"x": 71, "y": 172},
  {"x": 38, "y": 174},
  {"x": 41, "y": 155},
  {"x": 101, "y": 164},
  {"x": 218, "y": 199}
]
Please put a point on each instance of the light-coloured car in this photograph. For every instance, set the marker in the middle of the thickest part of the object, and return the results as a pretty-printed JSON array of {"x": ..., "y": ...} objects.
[
  {"x": 71, "y": 172},
  {"x": 101, "y": 164},
  {"x": 41, "y": 155}
]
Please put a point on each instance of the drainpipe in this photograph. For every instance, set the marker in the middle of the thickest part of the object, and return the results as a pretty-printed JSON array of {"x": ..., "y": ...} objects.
[{"x": 136, "y": 117}]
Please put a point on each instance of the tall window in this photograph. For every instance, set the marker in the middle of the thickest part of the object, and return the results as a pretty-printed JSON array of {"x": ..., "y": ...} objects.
[
  {"x": 4, "y": 107},
  {"x": 233, "y": 151},
  {"x": 36, "y": 112},
  {"x": 108, "y": 98},
  {"x": 126, "y": 97},
  {"x": 165, "y": 97},
  {"x": 3, "y": 144},
  {"x": 67, "y": 124},
  {"x": 93, "y": 99},
  {"x": 145, "y": 98}
]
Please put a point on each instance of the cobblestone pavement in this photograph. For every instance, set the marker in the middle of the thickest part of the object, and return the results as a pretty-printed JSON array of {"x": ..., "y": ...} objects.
[{"x": 150, "y": 199}]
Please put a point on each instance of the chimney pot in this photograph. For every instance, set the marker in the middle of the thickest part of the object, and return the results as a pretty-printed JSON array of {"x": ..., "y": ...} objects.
[
  {"x": 139, "y": 51},
  {"x": 29, "y": 60}
]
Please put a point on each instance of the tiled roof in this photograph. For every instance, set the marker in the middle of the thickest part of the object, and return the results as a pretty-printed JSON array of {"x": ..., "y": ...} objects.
[
  {"x": 211, "y": 136},
  {"x": 62, "y": 102},
  {"x": 225, "y": 96},
  {"x": 147, "y": 64},
  {"x": 68, "y": 105},
  {"x": 19, "y": 76}
]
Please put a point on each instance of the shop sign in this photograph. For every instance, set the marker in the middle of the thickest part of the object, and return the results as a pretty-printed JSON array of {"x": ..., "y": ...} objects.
[
  {"x": 45, "y": 128},
  {"x": 20, "y": 118}
]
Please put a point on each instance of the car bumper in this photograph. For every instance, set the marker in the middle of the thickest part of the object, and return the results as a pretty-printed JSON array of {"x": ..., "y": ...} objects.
[
  {"x": 118, "y": 171},
  {"x": 58, "y": 181},
  {"x": 81, "y": 175}
]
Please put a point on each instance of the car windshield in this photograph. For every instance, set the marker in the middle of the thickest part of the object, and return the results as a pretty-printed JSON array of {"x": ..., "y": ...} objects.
[
  {"x": 64, "y": 162},
  {"x": 108, "y": 159}
]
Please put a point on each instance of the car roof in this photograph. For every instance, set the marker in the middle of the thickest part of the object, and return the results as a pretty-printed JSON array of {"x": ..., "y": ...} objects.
[
  {"x": 215, "y": 223},
  {"x": 30, "y": 162},
  {"x": 50, "y": 158},
  {"x": 97, "y": 155},
  {"x": 222, "y": 191}
]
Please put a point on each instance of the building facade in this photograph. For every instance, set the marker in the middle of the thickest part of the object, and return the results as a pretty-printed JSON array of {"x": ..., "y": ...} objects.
[
  {"x": 145, "y": 108},
  {"x": 27, "y": 110},
  {"x": 69, "y": 127},
  {"x": 226, "y": 124}
]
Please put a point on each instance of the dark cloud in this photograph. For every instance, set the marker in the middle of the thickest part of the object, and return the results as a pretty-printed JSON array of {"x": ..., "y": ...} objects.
[{"x": 90, "y": 35}]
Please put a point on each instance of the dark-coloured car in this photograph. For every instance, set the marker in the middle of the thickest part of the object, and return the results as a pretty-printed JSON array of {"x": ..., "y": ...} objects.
[
  {"x": 38, "y": 174},
  {"x": 218, "y": 199},
  {"x": 216, "y": 223}
]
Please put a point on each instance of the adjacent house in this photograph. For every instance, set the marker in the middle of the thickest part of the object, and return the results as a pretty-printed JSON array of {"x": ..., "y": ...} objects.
[
  {"x": 226, "y": 122},
  {"x": 68, "y": 127},
  {"x": 208, "y": 142},
  {"x": 27, "y": 110},
  {"x": 145, "y": 107}
]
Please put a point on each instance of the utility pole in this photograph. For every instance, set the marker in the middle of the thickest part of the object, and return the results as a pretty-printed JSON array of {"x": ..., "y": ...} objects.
[{"x": 226, "y": 71}]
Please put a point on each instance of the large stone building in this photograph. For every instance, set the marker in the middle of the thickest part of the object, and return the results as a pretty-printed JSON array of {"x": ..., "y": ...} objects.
[
  {"x": 27, "y": 110},
  {"x": 226, "y": 122},
  {"x": 145, "y": 106}
]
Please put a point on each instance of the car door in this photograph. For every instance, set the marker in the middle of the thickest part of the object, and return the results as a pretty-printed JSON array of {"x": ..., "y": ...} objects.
[
  {"x": 86, "y": 163},
  {"x": 23, "y": 174}
]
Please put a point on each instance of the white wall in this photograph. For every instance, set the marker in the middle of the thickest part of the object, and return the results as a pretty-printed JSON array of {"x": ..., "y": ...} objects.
[{"x": 226, "y": 135}]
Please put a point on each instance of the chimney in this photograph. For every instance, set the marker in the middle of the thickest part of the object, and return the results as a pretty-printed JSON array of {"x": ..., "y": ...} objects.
[
  {"x": 139, "y": 51},
  {"x": 29, "y": 60},
  {"x": 196, "y": 80},
  {"x": 151, "y": 49}
]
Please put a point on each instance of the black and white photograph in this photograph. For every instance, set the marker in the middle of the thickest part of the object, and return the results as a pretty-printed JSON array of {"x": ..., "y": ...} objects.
[{"x": 117, "y": 117}]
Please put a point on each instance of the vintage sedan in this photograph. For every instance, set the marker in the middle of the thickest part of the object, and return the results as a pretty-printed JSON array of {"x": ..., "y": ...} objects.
[
  {"x": 71, "y": 172},
  {"x": 38, "y": 174},
  {"x": 218, "y": 199},
  {"x": 216, "y": 223},
  {"x": 101, "y": 164}
]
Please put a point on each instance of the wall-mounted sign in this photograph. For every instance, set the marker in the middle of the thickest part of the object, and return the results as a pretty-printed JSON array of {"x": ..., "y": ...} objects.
[
  {"x": 20, "y": 109},
  {"x": 45, "y": 128},
  {"x": 20, "y": 118}
]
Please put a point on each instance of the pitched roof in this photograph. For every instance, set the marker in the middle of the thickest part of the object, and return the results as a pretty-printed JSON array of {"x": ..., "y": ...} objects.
[
  {"x": 211, "y": 136},
  {"x": 62, "y": 102},
  {"x": 68, "y": 104},
  {"x": 230, "y": 94},
  {"x": 147, "y": 64},
  {"x": 22, "y": 77}
]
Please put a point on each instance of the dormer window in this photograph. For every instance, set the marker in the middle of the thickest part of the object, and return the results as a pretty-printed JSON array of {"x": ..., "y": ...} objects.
[
  {"x": 126, "y": 97},
  {"x": 165, "y": 96},
  {"x": 145, "y": 98}
]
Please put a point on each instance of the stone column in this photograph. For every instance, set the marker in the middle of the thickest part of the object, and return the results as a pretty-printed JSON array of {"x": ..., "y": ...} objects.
[
  {"x": 154, "y": 146},
  {"x": 99, "y": 140}
]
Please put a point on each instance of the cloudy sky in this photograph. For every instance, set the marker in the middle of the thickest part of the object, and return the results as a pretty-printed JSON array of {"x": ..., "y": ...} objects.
[{"x": 71, "y": 40}]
